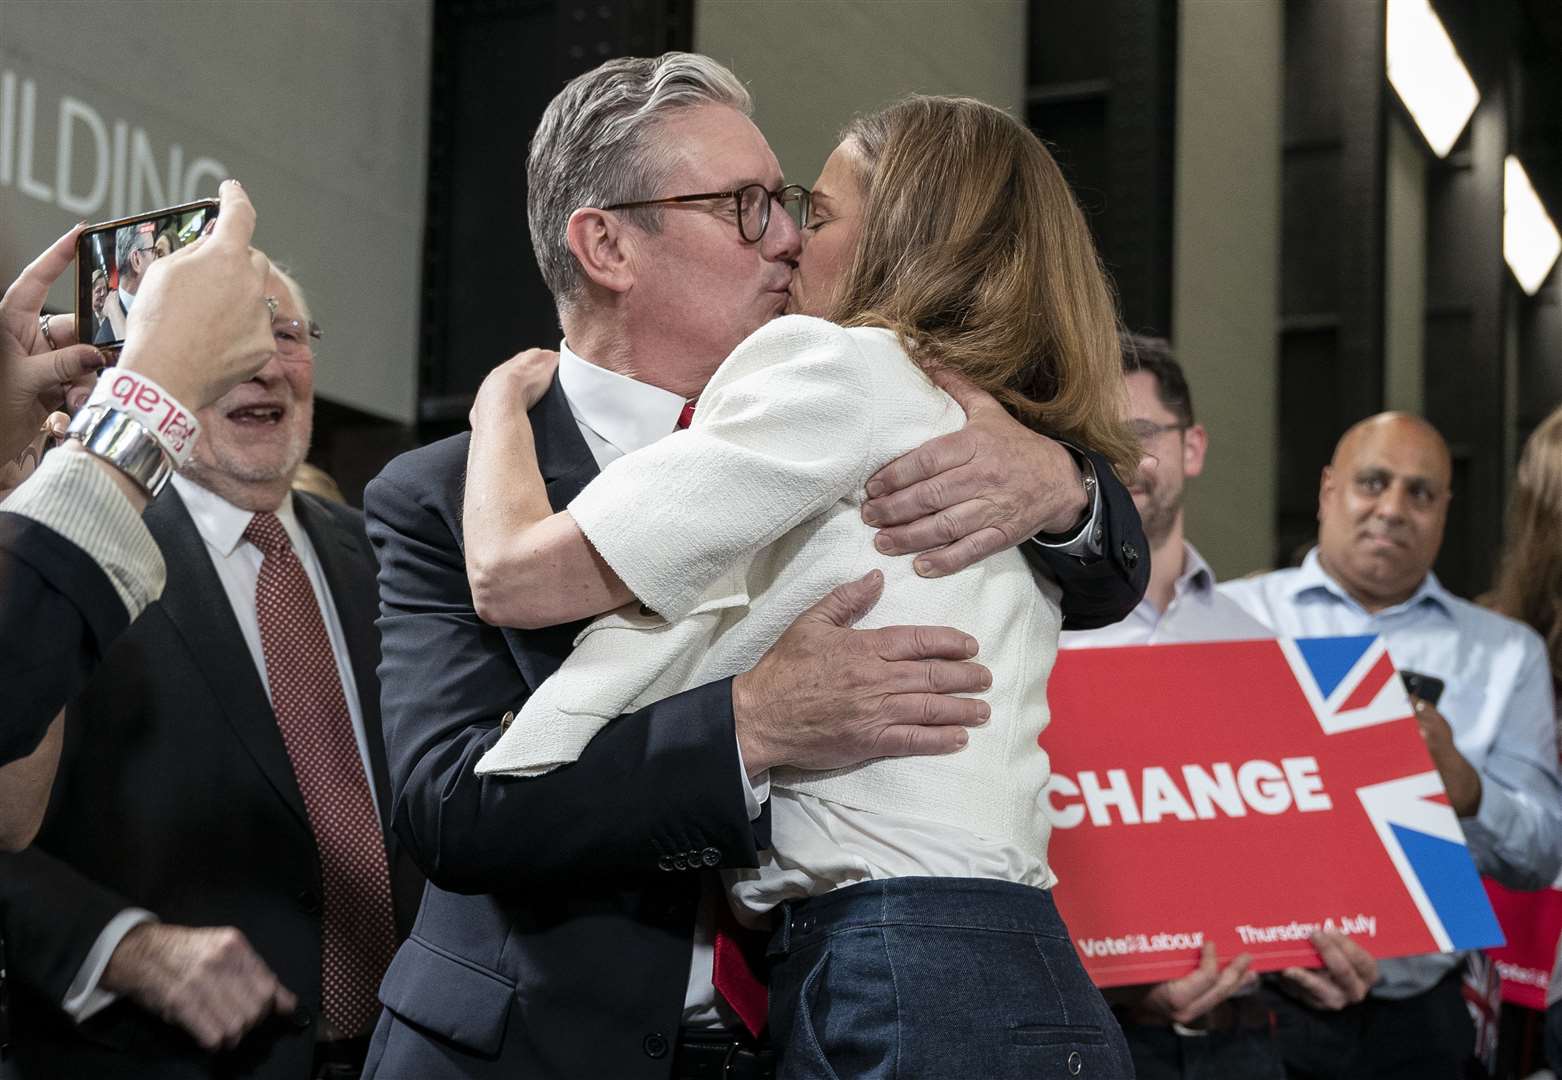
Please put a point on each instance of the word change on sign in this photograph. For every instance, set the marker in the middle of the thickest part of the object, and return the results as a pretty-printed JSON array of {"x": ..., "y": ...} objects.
[{"x": 1248, "y": 793}]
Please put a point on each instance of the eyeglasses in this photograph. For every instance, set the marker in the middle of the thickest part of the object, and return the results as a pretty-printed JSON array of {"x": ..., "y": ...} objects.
[
  {"x": 751, "y": 205},
  {"x": 1147, "y": 431},
  {"x": 295, "y": 336}
]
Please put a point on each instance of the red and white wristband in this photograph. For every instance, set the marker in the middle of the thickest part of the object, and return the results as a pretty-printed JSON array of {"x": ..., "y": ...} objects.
[{"x": 138, "y": 427}]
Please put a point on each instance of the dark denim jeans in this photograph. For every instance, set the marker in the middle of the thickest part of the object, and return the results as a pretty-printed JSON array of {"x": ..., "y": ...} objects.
[{"x": 935, "y": 979}]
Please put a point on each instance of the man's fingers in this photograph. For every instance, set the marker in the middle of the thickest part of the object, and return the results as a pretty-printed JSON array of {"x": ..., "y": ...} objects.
[
  {"x": 931, "y": 458},
  {"x": 935, "y": 710},
  {"x": 845, "y": 604},
  {"x": 1340, "y": 960},
  {"x": 944, "y": 527},
  {"x": 967, "y": 551},
  {"x": 922, "y": 643},
  {"x": 915, "y": 740},
  {"x": 1180, "y": 991},
  {"x": 936, "y": 677},
  {"x": 966, "y": 393},
  {"x": 24, "y": 299},
  {"x": 1315, "y": 989},
  {"x": 284, "y": 1001},
  {"x": 925, "y": 496},
  {"x": 1226, "y": 984},
  {"x": 235, "y": 217}
]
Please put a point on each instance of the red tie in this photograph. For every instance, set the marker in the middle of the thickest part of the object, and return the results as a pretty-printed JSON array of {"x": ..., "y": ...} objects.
[
  {"x": 733, "y": 975},
  {"x": 358, "y": 929},
  {"x": 686, "y": 417}
]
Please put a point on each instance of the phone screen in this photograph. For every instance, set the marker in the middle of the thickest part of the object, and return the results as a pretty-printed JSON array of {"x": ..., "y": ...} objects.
[{"x": 113, "y": 257}]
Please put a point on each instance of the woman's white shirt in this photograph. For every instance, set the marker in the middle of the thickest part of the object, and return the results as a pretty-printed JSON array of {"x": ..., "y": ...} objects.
[{"x": 732, "y": 529}]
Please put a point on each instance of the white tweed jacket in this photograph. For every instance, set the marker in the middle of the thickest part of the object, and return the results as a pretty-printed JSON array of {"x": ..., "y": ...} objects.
[{"x": 730, "y": 530}]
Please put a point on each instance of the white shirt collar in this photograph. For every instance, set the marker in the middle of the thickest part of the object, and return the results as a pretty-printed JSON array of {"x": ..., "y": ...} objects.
[
  {"x": 625, "y": 413},
  {"x": 1196, "y": 574},
  {"x": 1313, "y": 577},
  {"x": 221, "y": 524},
  {"x": 126, "y": 299}
]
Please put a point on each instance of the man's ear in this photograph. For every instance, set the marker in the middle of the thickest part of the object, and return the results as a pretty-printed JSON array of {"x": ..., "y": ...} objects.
[
  {"x": 1325, "y": 486},
  {"x": 1195, "y": 440},
  {"x": 602, "y": 246}
]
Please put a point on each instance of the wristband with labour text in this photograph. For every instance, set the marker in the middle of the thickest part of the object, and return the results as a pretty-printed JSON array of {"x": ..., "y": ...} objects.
[{"x": 174, "y": 426}]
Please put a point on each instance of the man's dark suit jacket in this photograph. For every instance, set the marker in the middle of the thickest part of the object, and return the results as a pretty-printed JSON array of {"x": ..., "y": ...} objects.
[
  {"x": 555, "y": 933},
  {"x": 175, "y": 794},
  {"x": 59, "y": 616}
]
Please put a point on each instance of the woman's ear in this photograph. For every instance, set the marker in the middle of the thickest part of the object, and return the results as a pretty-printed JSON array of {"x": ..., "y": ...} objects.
[{"x": 603, "y": 246}]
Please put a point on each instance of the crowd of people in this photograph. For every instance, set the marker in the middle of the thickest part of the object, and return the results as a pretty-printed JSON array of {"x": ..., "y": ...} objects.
[{"x": 680, "y": 719}]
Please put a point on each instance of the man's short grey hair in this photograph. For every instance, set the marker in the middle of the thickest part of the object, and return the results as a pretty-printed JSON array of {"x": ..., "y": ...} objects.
[
  {"x": 298, "y": 291},
  {"x": 593, "y": 147},
  {"x": 125, "y": 245}
]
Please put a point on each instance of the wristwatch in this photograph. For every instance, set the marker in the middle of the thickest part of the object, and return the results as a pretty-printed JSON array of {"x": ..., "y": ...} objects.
[
  {"x": 124, "y": 442},
  {"x": 1083, "y": 541}
]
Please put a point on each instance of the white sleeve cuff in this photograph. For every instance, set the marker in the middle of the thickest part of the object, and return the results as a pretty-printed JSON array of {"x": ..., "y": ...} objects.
[
  {"x": 754, "y": 794},
  {"x": 84, "y": 998},
  {"x": 74, "y": 495}
]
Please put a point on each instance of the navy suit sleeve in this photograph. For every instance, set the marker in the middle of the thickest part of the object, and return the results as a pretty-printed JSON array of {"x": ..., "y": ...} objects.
[
  {"x": 1103, "y": 591},
  {"x": 651, "y": 786},
  {"x": 52, "y": 917},
  {"x": 60, "y": 614}
]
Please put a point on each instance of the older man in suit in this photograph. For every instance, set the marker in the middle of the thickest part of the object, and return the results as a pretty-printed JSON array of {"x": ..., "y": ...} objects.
[
  {"x": 212, "y": 890},
  {"x": 571, "y": 926}
]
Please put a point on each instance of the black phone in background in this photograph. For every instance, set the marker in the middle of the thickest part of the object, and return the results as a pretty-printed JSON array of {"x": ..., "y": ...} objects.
[
  {"x": 100, "y": 311},
  {"x": 1426, "y": 687}
]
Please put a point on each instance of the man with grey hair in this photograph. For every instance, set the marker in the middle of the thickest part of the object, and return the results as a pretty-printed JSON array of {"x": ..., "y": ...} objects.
[
  {"x": 211, "y": 893},
  {"x": 135, "y": 249},
  {"x": 572, "y": 922}
]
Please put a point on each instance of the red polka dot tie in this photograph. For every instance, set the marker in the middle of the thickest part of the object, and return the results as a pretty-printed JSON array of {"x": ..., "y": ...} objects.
[{"x": 358, "y": 929}]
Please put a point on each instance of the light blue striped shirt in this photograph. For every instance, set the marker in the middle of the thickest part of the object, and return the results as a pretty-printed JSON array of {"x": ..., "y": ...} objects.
[{"x": 1497, "y": 699}]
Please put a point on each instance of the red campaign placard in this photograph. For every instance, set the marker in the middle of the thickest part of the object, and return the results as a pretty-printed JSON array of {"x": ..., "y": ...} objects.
[
  {"x": 1246, "y": 793},
  {"x": 1532, "y": 922}
]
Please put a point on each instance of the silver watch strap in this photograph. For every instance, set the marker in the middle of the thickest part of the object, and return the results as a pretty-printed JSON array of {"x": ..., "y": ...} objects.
[{"x": 124, "y": 442}]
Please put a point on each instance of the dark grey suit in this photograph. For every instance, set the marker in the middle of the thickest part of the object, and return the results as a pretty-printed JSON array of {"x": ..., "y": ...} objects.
[{"x": 175, "y": 794}]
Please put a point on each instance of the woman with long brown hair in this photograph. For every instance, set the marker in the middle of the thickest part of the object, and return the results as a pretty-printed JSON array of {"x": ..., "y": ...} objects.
[
  {"x": 914, "y": 931},
  {"x": 1528, "y": 587}
]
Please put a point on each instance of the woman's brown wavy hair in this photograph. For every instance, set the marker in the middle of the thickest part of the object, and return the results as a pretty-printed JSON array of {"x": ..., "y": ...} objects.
[
  {"x": 972, "y": 250},
  {"x": 1529, "y": 578}
]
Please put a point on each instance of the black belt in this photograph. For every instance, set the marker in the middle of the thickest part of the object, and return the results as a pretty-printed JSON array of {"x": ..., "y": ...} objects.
[{"x": 717, "y": 1057}]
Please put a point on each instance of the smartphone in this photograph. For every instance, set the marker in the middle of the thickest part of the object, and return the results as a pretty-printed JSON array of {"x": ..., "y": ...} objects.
[
  {"x": 1426, "y": 687},
  {"x": 112, "y": 256}
]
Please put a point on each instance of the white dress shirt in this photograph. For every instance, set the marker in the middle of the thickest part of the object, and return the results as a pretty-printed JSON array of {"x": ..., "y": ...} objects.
[
  {"x": 618, "y": 415},
  {"x": 221, "y": 525},
  {"x": 1197, "y": 612},
  {"x": 1497, "y": 699}
]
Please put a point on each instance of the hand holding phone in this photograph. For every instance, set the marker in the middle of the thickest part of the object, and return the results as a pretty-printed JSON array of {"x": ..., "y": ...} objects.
[
  {"x": 112, "y": 261},
  {"x": 199, "y": 324}
]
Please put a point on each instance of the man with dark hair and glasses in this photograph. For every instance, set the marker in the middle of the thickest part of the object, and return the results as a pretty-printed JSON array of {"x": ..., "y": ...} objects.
[
  {"x": 571, "y": 923},
  {"x": 1206, "y": 1025}
]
